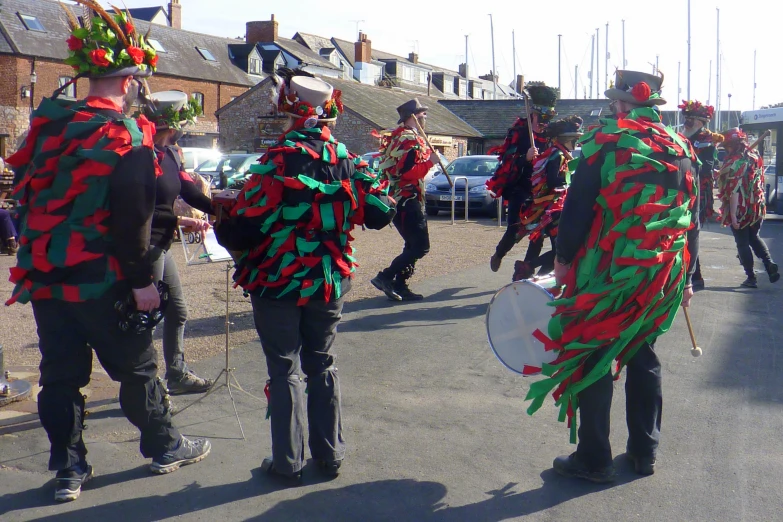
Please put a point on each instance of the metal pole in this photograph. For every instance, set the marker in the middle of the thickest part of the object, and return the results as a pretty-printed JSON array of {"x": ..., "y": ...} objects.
[
  {"x": 592, "y": 63},
  {"x": 709, "y": 85},
  {"x": 624, "y": 62},
  {"x": 754, "y": 79},
  {"x": 729, "y": 116},
  {"x": 689, "y": 50},
  {"x": 559, "y": 56},
  {"x": 597, "y": 63},
  {"x": 606, "y": 59},
  {"x": 467, "y": 76},
  {"x": 679, "y": 90},
  {"x": 656, "y": 64},
  {"x": 514, "y": 56},
  {"x": 494, "y": 81},
  {"x": 717, "y": 77},
  {"x": 576, "y": 82}
]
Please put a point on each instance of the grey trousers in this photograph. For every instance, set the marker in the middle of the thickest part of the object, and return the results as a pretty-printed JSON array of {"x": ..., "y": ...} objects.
[
  {"x": 293, "y": 338},
  {"x": 164, "y": 267}
]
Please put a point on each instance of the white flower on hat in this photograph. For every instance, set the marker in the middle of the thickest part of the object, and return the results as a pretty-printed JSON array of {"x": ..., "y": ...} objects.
[{"x": 319, "y": 110}]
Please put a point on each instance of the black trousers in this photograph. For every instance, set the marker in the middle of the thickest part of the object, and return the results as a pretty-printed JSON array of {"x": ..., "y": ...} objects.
[
  {"x": 68, "y": 333},
  {"x": 298, "y": 338},
  {"x": 748, "y": 243},
  {"x": 509, "y": 239},
  {"x": 643, "y": 407},
  {"x": 534, "y": 258},
  {"x": 411, "y": 223}
]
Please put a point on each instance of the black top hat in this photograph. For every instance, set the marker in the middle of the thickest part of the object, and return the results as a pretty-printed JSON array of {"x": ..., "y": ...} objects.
[{"x": 408, "y": 109}]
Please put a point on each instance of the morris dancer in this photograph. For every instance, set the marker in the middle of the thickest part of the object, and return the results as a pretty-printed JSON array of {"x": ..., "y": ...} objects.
[
  {"x": 85, "y": 181},
  {"x": 621, "y": 255},
  {"x": 512, "y": 179},
  {"x": 540, "y": 218},
  {"x": 405, "y": 162},
  {"x": 293, "y": 222},
  {"x": 741, "y": 192},
  {"x": 697, "y": 117},
  {"x": 172, "y": 112}
]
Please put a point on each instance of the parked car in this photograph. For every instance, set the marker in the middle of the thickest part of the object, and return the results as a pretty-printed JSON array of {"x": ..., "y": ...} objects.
[
  {"x": 195, "y": 156},
  {"x": 374, "y": 160},
  {"x": 227, "y": 170},
  {"x": 478, "y": 169}
]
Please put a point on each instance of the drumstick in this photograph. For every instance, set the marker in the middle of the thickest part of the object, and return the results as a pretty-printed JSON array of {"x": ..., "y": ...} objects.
[
  {"x": 432, "y": 149},
  {"x": 695, "y": 351}
]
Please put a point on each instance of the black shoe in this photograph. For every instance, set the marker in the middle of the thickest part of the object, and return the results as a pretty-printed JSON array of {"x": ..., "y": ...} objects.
[
  {"x": 642, "y": 465},
  {"x": 68, "y": 482},
  {"x": 189, "y": 383},
  {"x": 293, "y": 479},
  {"x": 494, "y": 262},
  {"x": 187, "y": 452},
  {"x": 772, "y": 271},
  {"x": 698, "y": 284},
  {"x": 571, "y": 466},
  {"x": 750, "y": 282},
  {"x": 386, "y": 286},
  {"x": 330, "y": 468},
  {"x": 405, "y": 293},
  {"x": 522, "y": 270}
]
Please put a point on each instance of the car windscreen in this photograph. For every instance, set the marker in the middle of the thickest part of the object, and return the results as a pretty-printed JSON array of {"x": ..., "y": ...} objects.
[
  {"x": 210, "y": 165},
  {"x": 190, "y": 159},
  {"x": 472, "y": 167}
]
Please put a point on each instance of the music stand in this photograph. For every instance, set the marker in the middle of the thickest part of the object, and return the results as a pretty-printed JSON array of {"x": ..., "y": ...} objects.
[{"x": 205, "y": 252}]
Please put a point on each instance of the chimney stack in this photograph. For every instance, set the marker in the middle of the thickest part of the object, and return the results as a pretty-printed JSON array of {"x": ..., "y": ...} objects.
[
  {"x": 261, "y": 32},
  {"x": 363, "y": 49},
  {"x": 413, "y": 57},
  {"x": 175, "y": 14},
  {"x": 520, "y": 83},
  {"x": 463, "y": 70}
]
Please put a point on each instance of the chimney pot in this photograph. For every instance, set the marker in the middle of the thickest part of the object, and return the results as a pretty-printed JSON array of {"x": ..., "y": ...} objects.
[
  {"x": 413, "y": 58},
  {"x": 363, "y": 49},
  {"x": 262, "y": 31},
  {"x": 175, "y": 14}
]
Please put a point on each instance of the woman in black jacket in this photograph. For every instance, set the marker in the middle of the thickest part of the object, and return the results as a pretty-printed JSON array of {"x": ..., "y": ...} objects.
[{"x": 172, "y": 111}]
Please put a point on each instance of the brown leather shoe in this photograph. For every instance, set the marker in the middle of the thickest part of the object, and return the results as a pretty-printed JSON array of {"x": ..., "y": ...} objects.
[{"x": 11, "y": 247}]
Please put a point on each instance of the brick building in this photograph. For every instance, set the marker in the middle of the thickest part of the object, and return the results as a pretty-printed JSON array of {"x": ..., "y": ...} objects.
[
  {"x": 32, "y": 48},
  {"x": 251, "y": 123}
]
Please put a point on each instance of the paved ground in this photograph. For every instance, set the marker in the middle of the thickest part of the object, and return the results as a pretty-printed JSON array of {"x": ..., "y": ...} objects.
[{"x": 437, "y": 429}]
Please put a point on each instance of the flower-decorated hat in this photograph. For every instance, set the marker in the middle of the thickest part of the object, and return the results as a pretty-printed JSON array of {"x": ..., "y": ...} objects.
[
  {"x": 637, "y": 87},
  {"x": 171, "y": 109},
  {"x": 543, "y": 99},
  {"x": 107, "y": 45},
  {"x": 735, "y": 135},
  {"x": 308, "y": 99},
  {"x": 570, "y": 127},
  {"x": 695, "y": 109}
]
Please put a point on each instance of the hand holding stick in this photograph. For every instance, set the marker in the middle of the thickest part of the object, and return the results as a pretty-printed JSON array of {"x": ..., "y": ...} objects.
[
  {"x": 442, "y": 167},
  {"x": 529, "y": 121},
  {"x": 695, "y": 351}
]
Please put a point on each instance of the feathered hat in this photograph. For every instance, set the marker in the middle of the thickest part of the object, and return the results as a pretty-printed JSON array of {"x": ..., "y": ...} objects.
[
  {"x": 307, "y": 98},
  {"x": 105, "y": 45},
  {"x": 570, "y": 127},
  {"x": 171, "y": 109},
  {"x": 543, "y": 99},
  {"x": 695, "y": 109},
  {"x": 637, "y": 87}
]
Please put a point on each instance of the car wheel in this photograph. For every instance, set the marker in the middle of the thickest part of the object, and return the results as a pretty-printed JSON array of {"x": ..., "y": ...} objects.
[{"x": 432, "y": 211}]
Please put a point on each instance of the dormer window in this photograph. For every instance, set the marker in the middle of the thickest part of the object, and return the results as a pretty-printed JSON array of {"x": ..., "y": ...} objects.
[
  {"x": 206, "y": 54},
  {"x": 254, "y": 66},
  {"x": 31, "y": 23},
  {"x": 156, "y": 45}
]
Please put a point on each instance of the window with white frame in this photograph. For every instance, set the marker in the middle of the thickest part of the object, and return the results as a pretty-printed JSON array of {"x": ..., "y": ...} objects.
[
  {"x": 254, "y": 66},
  {"x": 423, "y": 77},
  {"x": 448, "y": 85},
  {"x": 199, "y": 97},
  {"x": 70, "y": 91},
  {"x": 407, "y": 73}
]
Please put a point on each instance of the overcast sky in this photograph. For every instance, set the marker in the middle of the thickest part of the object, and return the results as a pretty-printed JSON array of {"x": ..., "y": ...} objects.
[{"x": 437, "y": 29}]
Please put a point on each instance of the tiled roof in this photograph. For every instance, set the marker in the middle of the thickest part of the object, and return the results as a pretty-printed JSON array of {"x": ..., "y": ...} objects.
[
  {"x": 313, "y": 41},
  {"x": 493, "y": 117},
  {"x": 180, "y": 59},
  {"x": 144, "y": 13},
  {"x": 304, "y": 54}
]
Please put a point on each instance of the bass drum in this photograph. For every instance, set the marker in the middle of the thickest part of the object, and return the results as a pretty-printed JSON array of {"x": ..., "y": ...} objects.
[{"x": 515, "y": 314}]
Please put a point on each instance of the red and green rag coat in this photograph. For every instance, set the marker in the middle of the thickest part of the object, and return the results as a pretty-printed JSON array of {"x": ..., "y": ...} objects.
[
  {"x": 627, "y": 279},
  {"x": 540, "y": 217},
  {"x": 742, "y": 173},
  {"x": 61, "y": 181},
  {"x": 303, "y": 199},
  {"x": 405, "y": 161},
  {"x": 514, "y": 172}
]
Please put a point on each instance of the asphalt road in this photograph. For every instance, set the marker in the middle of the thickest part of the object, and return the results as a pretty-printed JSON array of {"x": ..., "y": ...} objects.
[{"x": 437, "y": 429}]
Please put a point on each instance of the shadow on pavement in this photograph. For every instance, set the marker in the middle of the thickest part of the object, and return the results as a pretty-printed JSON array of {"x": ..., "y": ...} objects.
[{"x": 406, "y": 499}]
